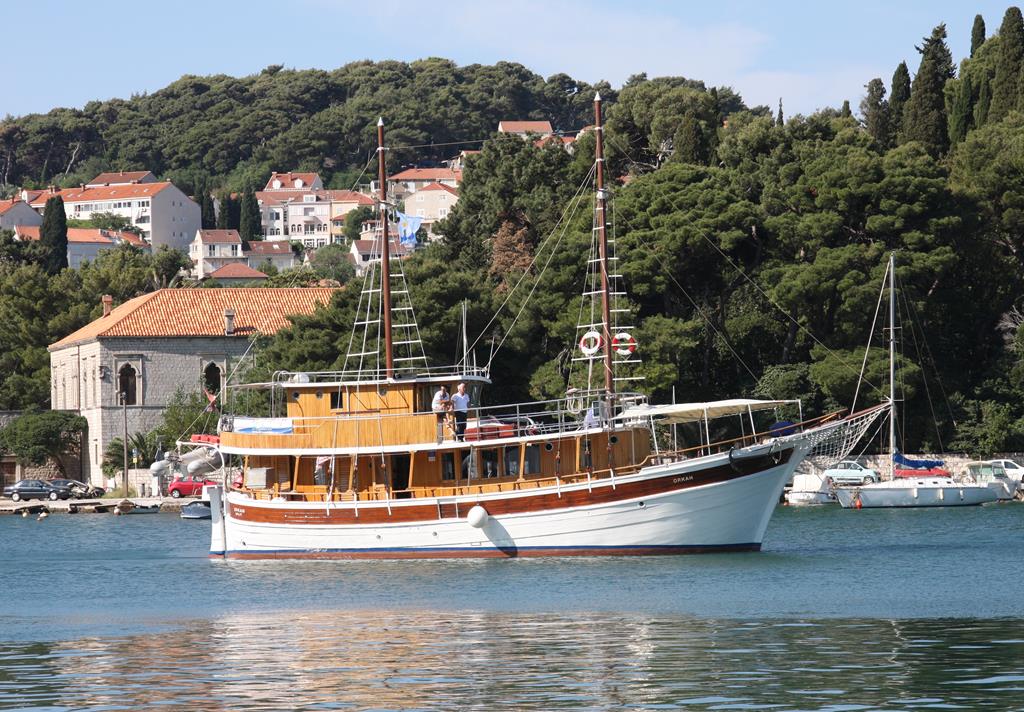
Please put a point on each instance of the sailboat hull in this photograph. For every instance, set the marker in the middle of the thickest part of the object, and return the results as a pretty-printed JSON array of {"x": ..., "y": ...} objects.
[
  {"x": 703, "y": 505},
  {"x": 921, "y": 492}
]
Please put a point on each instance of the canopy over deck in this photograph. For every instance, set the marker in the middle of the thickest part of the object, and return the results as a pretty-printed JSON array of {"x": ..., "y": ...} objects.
[{"x": 692, "y": 412}]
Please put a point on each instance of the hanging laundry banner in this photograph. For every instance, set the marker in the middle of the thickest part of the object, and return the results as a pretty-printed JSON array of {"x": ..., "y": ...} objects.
[{"x": 407, "y": 227}]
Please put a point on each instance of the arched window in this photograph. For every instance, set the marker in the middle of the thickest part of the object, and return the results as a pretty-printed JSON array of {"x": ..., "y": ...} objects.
[
  {"x": 126, "y": 384},
  {"x": 211, "y": 378}
]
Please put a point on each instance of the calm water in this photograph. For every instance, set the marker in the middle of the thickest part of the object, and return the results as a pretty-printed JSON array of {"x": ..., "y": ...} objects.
[{"x": 843, "y": 610}]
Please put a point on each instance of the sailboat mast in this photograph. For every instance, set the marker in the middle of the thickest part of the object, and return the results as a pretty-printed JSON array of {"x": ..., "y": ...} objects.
[
  {"x": 602, "y": 236},
  {"x": 892, "y": 365},
  {"x": 385, "y": 253}
]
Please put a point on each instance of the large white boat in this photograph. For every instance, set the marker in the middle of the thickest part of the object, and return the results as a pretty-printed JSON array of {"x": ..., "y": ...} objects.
[{"x": 361, "y": 464}]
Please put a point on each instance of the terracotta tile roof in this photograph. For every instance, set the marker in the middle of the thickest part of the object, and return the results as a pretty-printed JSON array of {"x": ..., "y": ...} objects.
[
  {"x": 288, "y": 180},
  {"x": 539, "y": 127},
  {"x": 209, "y": 237},
  {"x": 350, "y": 196},
  {"x": 236, "y": 270},
  {"x": 294, "y": 197},
  {"x": 270, "y": 247},
  {"x": 82, "y": 235},
  {"x": 200, "y": 312},
  {"x": 434, "y": 174},
  {"x": 109, "y": 192},
  {"x": 120, "y": 177},
  {"x": 440, "y": 186},
  {"x": 6, "y": 205},
  {"x": 373, "y": 247}
]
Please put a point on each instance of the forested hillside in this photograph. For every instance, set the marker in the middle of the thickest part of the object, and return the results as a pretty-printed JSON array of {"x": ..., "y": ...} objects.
[{"x": 753, "y": 244}]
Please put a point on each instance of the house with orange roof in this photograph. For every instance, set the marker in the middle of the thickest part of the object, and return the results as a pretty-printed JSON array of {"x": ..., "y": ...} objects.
[
  {"x": 410, "y": 180},
  {"x": 237, "y": 274},
  {"x": 121, "y": 178},
  {"x": 84, "y": 243},
  {"x": 153, "y": 346},
  {"x": 432, "y": 202},
  {"x": 277, "y": 253},
  {"x": 162, "y": 213},
  {"x": 15, "y": 212},
  {"x": 365, "y": 252},
  {"x": 526, "y": 129},
  {"x": 213, "y": 249},
  {"x": 294, "y": 181}
]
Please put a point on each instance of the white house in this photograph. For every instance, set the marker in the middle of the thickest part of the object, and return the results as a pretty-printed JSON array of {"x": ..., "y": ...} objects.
[
  {"x": 84, "y": 243},
  {"x": 412, "y": 179},
  {"x": 152, "y": 346},
  {"x": 163, "y": 214},
  {"x": 121, "y": 178},
  {"x": 278, "y": 253},
  {"x": 525, "y": 129},
  {"x": 213, "y": 249},
  {"x": 16, "y": 212},
  {"x": 237, "y": 273},
  {"x": 365, "y": 252},
  {"x": 432, "y": 202}
]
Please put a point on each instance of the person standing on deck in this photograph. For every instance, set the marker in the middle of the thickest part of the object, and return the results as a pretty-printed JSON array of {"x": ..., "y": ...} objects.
[
  {"x": 460, "y": 406},
  {"x": 440, "y": 405}
]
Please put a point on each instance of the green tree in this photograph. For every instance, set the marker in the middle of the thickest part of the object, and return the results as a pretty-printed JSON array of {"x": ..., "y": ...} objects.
[
  {"x": 977, "y": 34},
  {"x": 924, "y": 116},
  {"x": 37, "y": 437},
  {"x": 689, "y": 145},
  {"x": 780, "y": 119},
  {"x": 209, "y": 214},
  {"x": 875, "y": 110},
  {"x": 961, "y": 117},
  {"x": 981, "y": 107},
  {"x": 845, "y": 111},
  {"x": 333, "y": 262},
  {"x": 1009, "y": 62},
  {"x": 250, "y": 220},
  {"x": 107, "y": 221},
  {"x": 229, "y": 212},
  {"x": 898, "y": 97},
  {"x": 53, "y": 234},
  {"x": 354, "y": 221}
]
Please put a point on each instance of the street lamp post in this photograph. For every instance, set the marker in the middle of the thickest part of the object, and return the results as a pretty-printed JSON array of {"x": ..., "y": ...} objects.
[{"x": 124, "y": 412}]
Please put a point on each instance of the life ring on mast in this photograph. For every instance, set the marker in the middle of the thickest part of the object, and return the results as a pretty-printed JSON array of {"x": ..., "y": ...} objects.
[
  {"x": 624, "y": 344},
  {"x": 590, "y": 343}
]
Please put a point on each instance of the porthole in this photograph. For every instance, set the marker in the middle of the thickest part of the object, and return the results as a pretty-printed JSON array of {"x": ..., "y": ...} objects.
[
  {"x": 295, "y": 395},
  {"x": 549, "y": 447},
  {"x": 614, "y": 439}
]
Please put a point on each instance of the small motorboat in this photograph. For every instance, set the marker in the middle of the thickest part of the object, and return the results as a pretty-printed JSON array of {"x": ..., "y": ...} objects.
[
  {"x": 810, "y": 489},
  {"x": 126, "y": 506},
  {"x": 196, "y": 510}
]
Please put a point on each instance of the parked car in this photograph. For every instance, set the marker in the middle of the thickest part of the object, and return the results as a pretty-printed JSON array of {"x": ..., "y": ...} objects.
[
  {"x": 37, "y": 489},
  {"x": 1013, "y": 470},
  {"x": 850, "y": 472},
  {"x": 188, "y": 485},
  {"x": 79, "y": 490}
]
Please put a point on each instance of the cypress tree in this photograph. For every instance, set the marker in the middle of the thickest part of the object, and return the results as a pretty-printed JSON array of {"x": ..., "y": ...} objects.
[
  {"x": 689, "y": 142},
  {"x": 898, "y": 96},
  {"x": 983, "y": 103},
  {"x": 780, "y": 120},
  {"x": 1006, "y": 83},
  {"x": 223, "y": 210},
  {"x": 962, "y": 114},
  {"x": 209, "y": 214},
  {"x": 924, "y": 116},
  {"x": 845, "y": 111},
  {"x": 875, "y": 110},
  {"x": 53, "y": 235},
  {"x": 977, "y": 34},
  {"x": 250, "y": 225}
]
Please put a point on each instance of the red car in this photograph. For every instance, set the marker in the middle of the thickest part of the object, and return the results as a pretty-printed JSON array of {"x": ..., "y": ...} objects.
[{"x": 189, "y": 485}]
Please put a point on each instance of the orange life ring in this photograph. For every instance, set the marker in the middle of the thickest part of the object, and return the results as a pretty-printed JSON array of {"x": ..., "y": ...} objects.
[
  {"x": 590, "y": 343},
  {"x": 624, "y": 344}
]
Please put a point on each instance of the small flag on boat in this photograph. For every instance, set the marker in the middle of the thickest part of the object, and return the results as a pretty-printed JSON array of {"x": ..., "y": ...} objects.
[
  {"x": 212, "y": 398},
  {"x": 407, "y": 227}
]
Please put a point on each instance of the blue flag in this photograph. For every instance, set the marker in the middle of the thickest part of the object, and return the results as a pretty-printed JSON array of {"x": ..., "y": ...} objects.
[{"x": 407, "y": 227}]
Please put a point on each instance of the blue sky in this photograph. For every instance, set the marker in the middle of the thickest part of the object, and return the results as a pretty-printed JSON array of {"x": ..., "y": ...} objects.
[{"x": 810, "y": 56}]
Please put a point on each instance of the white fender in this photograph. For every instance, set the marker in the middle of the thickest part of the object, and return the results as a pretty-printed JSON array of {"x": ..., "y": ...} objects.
[{"x": 477, "y": 517}]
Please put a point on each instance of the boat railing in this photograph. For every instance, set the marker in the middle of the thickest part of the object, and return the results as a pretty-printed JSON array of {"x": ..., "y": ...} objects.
[{"x": 378, "y": 375}]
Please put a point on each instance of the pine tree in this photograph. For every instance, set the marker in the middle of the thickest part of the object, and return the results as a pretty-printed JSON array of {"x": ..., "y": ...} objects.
[
  {"x": 924, "y": 116},
  {"x": 689, "y": 142},
  {"x": 780, "y": 120},
  {"x": 1006, "y": 83},
  {"x": 53, "y": 235},
  {"x": 209, "y": 214},
  {"x": 845, "y": 111},
  {"x": 898, "y": 95},
  {"x": 982, "y": 105},
  {"x": 962, "y": 114},
  {"x": 977, "y": 34},
  {"x": 875, "y": 110},
  {"x": 250, "y": 224}
]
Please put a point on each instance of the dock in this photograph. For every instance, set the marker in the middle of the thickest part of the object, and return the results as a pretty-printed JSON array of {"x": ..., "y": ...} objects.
[{"x": 89, "y": 506}]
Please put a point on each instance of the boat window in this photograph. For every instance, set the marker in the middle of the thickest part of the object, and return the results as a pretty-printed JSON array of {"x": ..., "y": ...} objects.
[
  {"x": 512, "y": 461},
  {"x": 448, "y": 466},
  {"x": 586, "y": 461},
  {"x": 337, "y": 400},
  {"x": 469, "y": 470},
  {"x": 489, "y": 463},
  {"x": 531, "y": 460}
]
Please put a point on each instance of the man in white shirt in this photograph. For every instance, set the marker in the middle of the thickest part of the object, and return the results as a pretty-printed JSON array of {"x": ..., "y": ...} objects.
[
  {"x": 440, "y": 405},
  {"x": 460, "y": 406}
]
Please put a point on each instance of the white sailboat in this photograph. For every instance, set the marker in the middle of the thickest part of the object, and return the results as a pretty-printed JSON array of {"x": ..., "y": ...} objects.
[{"x": 924, "y": 491}]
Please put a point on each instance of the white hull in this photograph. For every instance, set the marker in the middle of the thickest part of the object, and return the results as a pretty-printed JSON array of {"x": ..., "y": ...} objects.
[
  {"x": 916, "y": 492},
  {"x": 801, "y": 499},
  {"x": 727, "y": 515}
]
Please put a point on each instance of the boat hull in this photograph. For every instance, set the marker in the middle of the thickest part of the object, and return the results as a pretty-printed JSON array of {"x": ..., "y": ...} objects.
[
  {"x": 709, "y": 504},
  {"x": 914, "y": 493},
  {"x": 803, "y": 499}
]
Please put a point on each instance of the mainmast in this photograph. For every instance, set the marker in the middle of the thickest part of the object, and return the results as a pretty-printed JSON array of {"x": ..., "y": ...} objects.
[
  {"x": 892, "y": 365},
  {"x": 606, "y": 335},
  {"x": 385, "y": 254}
]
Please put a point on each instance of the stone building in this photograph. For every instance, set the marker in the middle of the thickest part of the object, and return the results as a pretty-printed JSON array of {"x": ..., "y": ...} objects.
[{"x": 152, "y": 346}]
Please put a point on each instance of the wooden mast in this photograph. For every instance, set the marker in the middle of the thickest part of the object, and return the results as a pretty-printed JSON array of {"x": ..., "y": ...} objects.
[
  {"x": 385, "y": 253},
  {"x": 892, "y": 365},
  {"x": 606, "y": 337}
]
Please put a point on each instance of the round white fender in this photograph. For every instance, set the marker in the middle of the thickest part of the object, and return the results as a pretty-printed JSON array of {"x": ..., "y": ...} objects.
[{"x": 477, "y": 516}]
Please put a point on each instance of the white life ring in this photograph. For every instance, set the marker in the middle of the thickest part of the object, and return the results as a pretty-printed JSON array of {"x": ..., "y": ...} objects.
[
  {"x": 590, "y": 343},
  {"x": 624, "y": 344}
]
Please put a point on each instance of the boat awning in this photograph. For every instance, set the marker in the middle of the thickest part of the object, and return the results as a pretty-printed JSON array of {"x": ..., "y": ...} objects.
[{"x": 690, "y": 412}]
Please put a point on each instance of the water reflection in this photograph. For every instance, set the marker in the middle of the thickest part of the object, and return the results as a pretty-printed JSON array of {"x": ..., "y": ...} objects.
[{"x": 429, "y": 660}]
